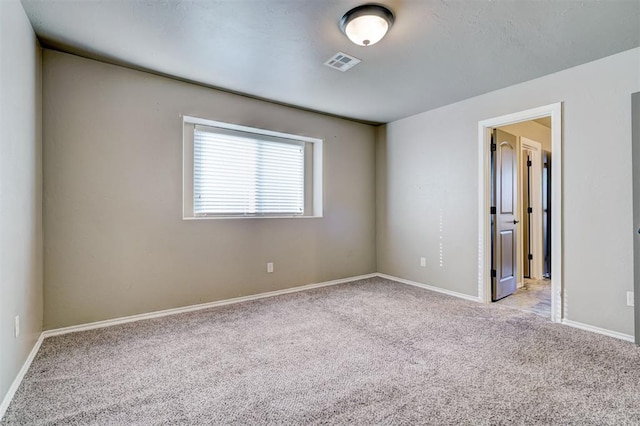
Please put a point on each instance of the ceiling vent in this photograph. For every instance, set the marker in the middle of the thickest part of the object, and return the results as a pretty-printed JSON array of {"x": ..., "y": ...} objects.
[{"x": 342, "y": 62}]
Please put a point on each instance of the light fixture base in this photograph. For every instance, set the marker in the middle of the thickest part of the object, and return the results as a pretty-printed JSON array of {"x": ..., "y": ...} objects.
[{"x": 367, "y": 24}]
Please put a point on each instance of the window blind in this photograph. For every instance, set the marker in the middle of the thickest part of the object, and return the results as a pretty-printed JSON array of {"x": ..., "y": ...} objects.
[{"x": 244, "y": 174}]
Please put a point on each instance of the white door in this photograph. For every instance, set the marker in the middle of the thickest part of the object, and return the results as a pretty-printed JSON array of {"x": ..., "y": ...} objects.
[{"x": 505, "y": 196}]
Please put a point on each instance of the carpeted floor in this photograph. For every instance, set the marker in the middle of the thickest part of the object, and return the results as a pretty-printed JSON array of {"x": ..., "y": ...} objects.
[{"x": 369, "y": 352}]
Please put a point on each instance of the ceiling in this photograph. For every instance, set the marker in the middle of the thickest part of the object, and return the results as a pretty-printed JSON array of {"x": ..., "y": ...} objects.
[{"x": 436, "y": 53}]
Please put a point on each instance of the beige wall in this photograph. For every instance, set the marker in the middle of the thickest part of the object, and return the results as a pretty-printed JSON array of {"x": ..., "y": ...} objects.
[
  {"x": 431, "y": 172},
  {"x": 20, "y": 190},
  {"x": 116, "y": 244},
  {"x": 531, "y": 130}
]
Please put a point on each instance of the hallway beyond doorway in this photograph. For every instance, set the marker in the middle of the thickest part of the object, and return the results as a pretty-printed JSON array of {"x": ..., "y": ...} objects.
[{"x": 534, "y": 296}]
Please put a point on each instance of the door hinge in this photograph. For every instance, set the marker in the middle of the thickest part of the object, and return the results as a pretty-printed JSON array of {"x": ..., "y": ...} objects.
[
  {"x": 530, "y": 256},
  {"x": 530, "y": 210},
  {"x": 493, "y": 273},
  {"x": 493, "y": 210},
  {"x": 528, "y": 163},
  {"x": 493, "y": 146}
]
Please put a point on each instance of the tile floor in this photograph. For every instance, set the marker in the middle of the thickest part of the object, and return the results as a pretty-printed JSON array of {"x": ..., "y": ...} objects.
[{"x": 534, "y": 296}]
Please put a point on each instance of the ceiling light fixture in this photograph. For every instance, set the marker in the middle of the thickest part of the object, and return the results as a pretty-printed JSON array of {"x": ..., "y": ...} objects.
[{"x": 366, "y": 25}]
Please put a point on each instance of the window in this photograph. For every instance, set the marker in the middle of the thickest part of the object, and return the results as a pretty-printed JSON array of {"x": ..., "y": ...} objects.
[
  {"x": 233, "y": 171},
  {"x": 235, "y": 174}
]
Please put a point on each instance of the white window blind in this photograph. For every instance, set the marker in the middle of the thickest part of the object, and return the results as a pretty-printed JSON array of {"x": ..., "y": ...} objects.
[{"x": 244, "y": 174}]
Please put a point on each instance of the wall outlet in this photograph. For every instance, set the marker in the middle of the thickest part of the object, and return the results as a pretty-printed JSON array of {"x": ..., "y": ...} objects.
[
  {"x": 16, "y": 326},
  {"x": 629, "y": 298},
  {"x": 423, "y": 261},
  {"x": 270, "y": 267}
]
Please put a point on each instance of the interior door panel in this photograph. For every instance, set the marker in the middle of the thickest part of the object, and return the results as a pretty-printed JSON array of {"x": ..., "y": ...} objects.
[{"x": 505, "y": 187}]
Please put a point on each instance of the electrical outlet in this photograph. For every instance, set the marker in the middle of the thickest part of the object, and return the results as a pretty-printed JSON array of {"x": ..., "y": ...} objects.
[
  {"x": 16, "y": 326},
  {"x": 270, "y": 267},
  {"x": 629, "y": 298},
  {"x": 423, "y": 261}
]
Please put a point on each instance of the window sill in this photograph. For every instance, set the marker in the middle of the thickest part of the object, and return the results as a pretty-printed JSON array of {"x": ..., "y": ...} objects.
[{"x": 248, "y": 217}]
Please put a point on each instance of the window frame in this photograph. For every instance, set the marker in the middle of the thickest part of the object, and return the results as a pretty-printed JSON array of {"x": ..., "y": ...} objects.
[{"x": 313, "y": 159}]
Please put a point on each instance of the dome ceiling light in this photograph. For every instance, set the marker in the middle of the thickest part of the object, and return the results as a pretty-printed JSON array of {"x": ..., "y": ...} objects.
[{"x": 366, "y": 25}]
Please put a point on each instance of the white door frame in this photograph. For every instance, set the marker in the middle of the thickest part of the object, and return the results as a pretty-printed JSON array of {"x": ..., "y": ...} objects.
[
  {"x": 535, "y": 224},
  {"x": 484, "y": 200}
]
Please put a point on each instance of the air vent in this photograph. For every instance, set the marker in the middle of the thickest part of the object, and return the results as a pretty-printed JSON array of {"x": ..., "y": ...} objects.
[{"x": 342, "y": 62}]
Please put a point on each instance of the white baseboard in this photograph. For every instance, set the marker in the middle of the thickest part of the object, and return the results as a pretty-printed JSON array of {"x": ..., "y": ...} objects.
[
  {"x": 190, "y": 308},
  {"x": 598, "y": 330},
  {"x": 564, "y": 321},
  {"x": 108, "y": 323},
  {"x": 431, "y": 288},
  {"x": 16, "y": 382}
]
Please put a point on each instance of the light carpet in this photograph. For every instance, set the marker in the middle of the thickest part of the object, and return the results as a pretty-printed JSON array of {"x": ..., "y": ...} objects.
[{"x": 368, "y": 352}]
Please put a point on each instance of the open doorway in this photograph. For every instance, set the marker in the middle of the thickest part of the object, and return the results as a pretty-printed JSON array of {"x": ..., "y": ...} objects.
[
  {"x": 520, "y": 246},
  {"x": 530, "y": 142}
]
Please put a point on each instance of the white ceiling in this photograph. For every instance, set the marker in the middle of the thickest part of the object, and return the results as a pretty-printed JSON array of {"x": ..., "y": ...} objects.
[{"x": 436, "y": 53}]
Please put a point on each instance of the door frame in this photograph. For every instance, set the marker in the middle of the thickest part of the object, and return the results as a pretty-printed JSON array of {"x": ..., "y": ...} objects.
[
  {"x": 535, "y": 224},
  {"x": 484, "y": 200},
  {"x": 635, "y": 165}
]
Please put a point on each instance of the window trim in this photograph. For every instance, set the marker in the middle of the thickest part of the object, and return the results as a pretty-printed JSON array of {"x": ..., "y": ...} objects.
[{"x": 188, "y": 126}]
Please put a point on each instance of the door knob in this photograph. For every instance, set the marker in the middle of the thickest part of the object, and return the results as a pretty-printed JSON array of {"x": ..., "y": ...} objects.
[{"x": 515, "y": 221}]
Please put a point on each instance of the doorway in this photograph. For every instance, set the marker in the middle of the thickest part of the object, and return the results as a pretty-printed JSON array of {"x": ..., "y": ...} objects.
[
  {"x": 520, "y": 243},
  {"x": 531, "y": 142}
]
